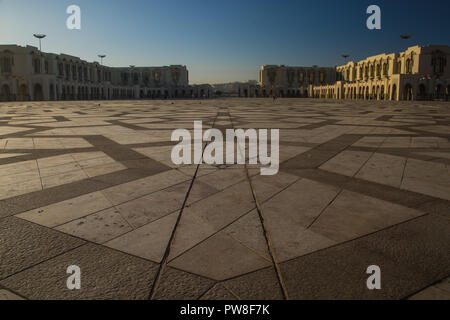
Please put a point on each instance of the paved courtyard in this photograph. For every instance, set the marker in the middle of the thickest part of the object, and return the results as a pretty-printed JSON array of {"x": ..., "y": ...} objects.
[{"x": 92, "y": 184}]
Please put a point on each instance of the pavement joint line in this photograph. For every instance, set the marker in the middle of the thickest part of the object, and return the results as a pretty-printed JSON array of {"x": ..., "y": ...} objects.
[
  {"x": 427, "y": 287},
  {"x": 213, "y": 234},
  {"x": 269, "y": 245},
  {"x": 163, "y": 263}
]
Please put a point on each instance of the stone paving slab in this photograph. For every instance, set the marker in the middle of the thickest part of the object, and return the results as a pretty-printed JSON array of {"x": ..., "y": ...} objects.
[{"x": 360, "y": 183}]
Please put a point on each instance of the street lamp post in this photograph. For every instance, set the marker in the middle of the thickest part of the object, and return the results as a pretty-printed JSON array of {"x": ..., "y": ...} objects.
[
  {"x": 40, "y": 37},
  {"x": 101, "y": 56},
  {"x": 405, "y": 37},
  {"x": 345, "y": 56}
]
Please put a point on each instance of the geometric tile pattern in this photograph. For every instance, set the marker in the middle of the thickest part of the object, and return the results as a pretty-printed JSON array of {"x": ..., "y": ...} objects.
[{"x": 93, "y": 184}]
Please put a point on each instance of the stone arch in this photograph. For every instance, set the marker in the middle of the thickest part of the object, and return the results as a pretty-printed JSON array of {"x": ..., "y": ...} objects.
[
  {"x": 5, "y": 93},
  {"x": 23, "y": 92},
  {"x": 408, "y": 92},
  {"x": 52, "y": 92},
  {"x": 394, "y": 92},
  {"x": 38, "y": 92},
  {"x": 422, "y": 91},
  {"x": 438, "y": 91}
]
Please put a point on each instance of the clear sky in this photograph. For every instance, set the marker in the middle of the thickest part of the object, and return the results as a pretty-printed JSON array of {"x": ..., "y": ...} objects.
[{"x": 220, "y": 40}]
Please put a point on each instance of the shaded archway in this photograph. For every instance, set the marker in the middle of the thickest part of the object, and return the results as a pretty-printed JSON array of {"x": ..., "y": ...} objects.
[
  {"x": 438, "y": 91},
  {"x": 422, "y": 92},
  {"x": 408, "y": 92},
  {"x": 52, "y": 92},
  {"x": 23, "y": 93},
  {"x": 38, "y": 92},
  {"x": 5, "y": 93},
  {"x": 394, "y": 92}
]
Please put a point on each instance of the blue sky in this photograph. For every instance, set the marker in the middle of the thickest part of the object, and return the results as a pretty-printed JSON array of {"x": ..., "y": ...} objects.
[{"x": 219, "y": 40}]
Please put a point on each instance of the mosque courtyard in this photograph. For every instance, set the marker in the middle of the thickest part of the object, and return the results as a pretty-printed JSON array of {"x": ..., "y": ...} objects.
[{"x": 92, "y": 184}]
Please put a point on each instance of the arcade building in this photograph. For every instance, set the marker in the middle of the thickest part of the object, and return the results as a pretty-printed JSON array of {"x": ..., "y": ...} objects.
[{"x": 26, "y": 74}]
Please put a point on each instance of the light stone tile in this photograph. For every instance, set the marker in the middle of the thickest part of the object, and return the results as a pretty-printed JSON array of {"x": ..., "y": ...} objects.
[
  {"x": 267, "y": 186},
  {"x": 59, "y": 169},
  {"x": 87, "y": 155},
  {"x": 63, "y": 178},
  {"x": 54, "y": 161},
  {"x": 353, "y": 215},
  {"x": 17, "y": 168},
  {"x": 148, "y": 242},
  {"x": 154, "y": 206},
  {"x": 104, "y": 169},
  {"x": 17, "y": 189},
  {"x": 105, "y": 160},
  {"x": 220, "y": 257},
  {"x": 430, "y": 178},
  {"x": 10, "y": 155},
  {"x": 301, "y": 203},
  {"x": 203, "y": 218},
  {"x": 383, "y": 168},
  {"x": 19, "y": 143},
  {"x": 222, "y": 179},
  {"x": 62, "y": 212},
  {"x": 98, "y": 227},
  {"x": 347, "y": 163},
  {"x": 138, "y": 188},
  {"x": 18, "y": 178},
  {"x": 397, "y": 142},
  {"x": 10, "y": 130},
  {"x": 249, "y": 232}
]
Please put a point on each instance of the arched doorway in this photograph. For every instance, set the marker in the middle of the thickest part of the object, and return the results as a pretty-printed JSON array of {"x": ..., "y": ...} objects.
[
  {"x": 408, "y": 92},
  {"x": 23, "y": 93},
  {"x": 6, "y": 93},
  {"x": 438, "y": 92},
  {"x": 52, "y": 92},
  {"x": 394, "y": 93},
  {"x": 422, "y": 92},
  {"x": 38, "y": 92}
]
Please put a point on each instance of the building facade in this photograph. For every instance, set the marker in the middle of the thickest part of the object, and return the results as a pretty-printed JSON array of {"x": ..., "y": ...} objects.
[
  {"x": 28, "y": 74},
  {"x": 284, "y": 81},
  {"x": 418, "y": 73}
]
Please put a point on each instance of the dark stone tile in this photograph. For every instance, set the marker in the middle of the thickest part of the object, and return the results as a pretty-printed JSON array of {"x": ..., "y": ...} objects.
[
  {"x": 320, "y": 154},
  {"x": 403, "y": 197},
  {"x": 421, "y": 244},
  {"x": 147, "y": 164},
  {"x": 24, "y": 244},
  {"x": 218, "y": 292},
  {"x": 340, "y": 273},
  {"x": 259, "y": 285},
  {"x": 105, "y": 274},
  {"x": 179, "y": 285},
  {"x": 45, "y": 197}
]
